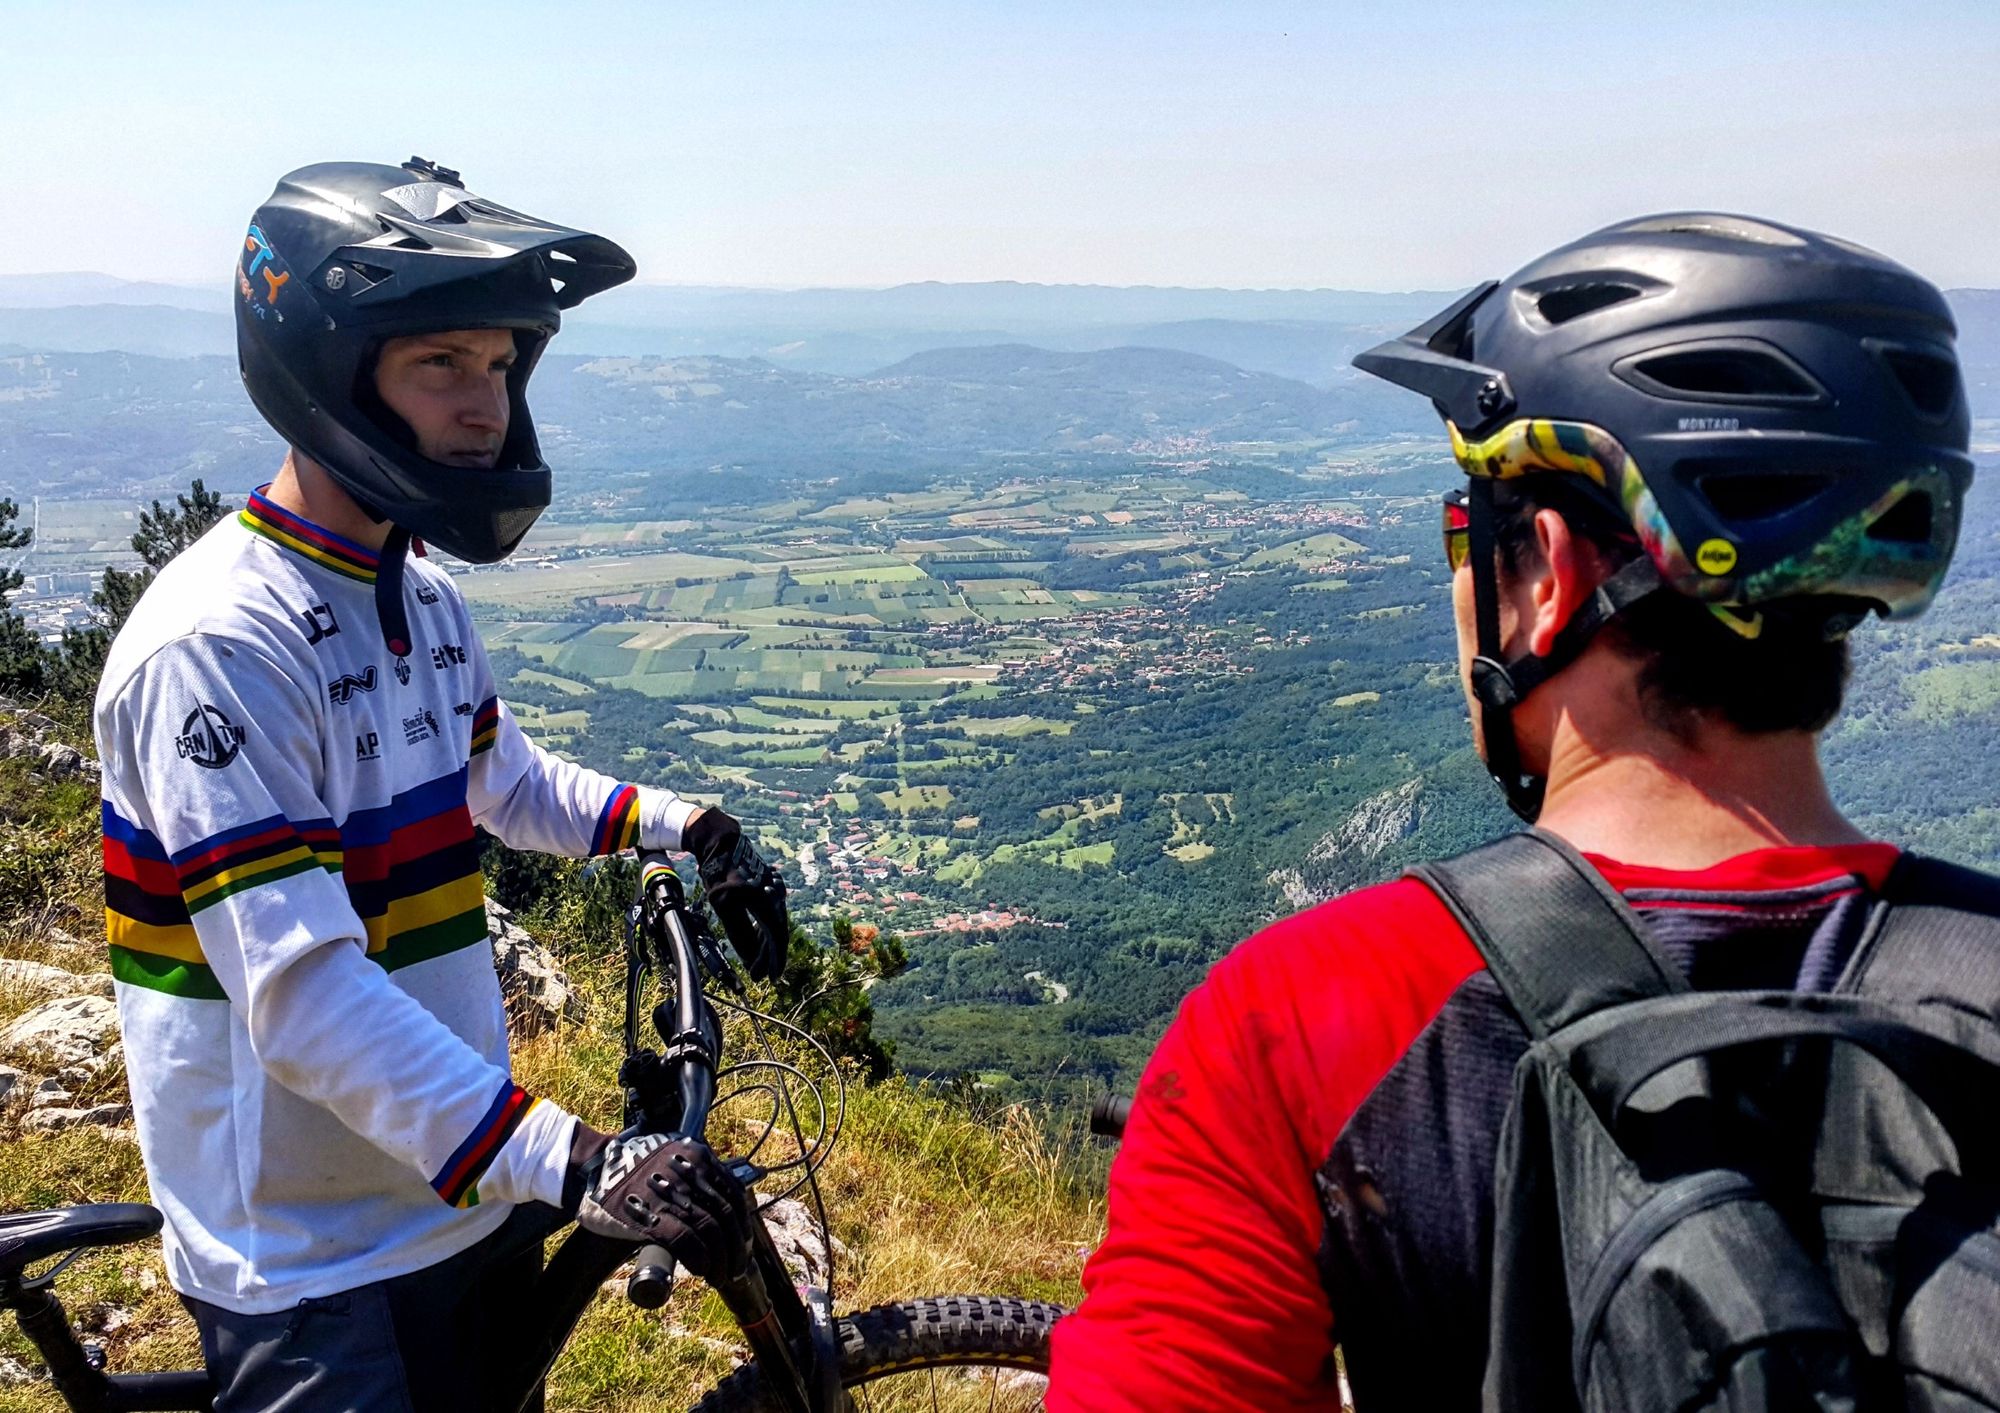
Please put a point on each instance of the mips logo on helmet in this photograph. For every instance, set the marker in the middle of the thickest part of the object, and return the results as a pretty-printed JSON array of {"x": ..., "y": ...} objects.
[
  {"x": 208, "y": 738},
  {"x": 1715, "y": 557},
  {"x": 260, "y": 262}
]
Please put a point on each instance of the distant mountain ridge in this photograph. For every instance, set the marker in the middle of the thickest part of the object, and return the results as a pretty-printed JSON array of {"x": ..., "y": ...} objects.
[
  {"x": 1304, "y": 334},
  {"x": 98, "y": 423},
  {"x": 1308, "y": 336},
  {"x": 960, "y": 402}
]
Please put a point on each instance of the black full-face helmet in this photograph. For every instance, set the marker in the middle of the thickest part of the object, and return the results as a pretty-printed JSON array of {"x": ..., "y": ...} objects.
[
  {"x": 347, "y": 255},
  {"x": 1777, "y": 414}
]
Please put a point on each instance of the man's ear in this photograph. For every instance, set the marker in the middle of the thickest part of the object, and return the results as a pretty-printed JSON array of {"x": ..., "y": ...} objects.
[{"x": 1570, "y": 577}]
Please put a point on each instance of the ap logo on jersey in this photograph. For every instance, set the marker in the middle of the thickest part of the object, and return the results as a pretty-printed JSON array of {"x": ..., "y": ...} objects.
[{"x": 208, "y": 738}]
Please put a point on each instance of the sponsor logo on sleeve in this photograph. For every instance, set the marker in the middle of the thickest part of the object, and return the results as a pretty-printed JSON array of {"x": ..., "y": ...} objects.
[
  {"x": 209, "y": 738},
  {"x": 462, "y": 709},
  {"x": 426, "y": 594},
  {"x": 343, "y": 687}
]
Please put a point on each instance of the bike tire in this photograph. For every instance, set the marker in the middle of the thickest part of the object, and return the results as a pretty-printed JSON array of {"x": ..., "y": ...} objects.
[{"x": 939, "y": 1332}]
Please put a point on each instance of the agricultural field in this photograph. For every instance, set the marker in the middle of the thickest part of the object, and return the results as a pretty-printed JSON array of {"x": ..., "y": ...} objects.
[{"x": 858, "y": 672}]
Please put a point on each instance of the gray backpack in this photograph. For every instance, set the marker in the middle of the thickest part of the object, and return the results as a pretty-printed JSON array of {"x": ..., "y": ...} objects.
[{"x": 1741, "y": 1200}]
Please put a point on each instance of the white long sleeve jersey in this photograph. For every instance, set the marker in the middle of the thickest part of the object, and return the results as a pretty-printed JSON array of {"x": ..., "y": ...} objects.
[{"x": 314, "y": 1032}]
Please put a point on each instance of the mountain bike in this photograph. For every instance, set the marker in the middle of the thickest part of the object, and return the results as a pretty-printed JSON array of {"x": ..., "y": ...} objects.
[{"x": 951, "y": 1352}]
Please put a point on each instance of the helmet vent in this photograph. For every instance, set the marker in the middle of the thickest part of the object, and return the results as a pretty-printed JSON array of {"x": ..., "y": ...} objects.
[
  {"x": 1559, "y": 306},
  {"x": 1928, "y": 380},
  {"x": 1907, "y": 522},
  {"x": 1736, "y": 372},
  {"x": 1714, "y": 225},
  {"x": 1739, "y": 496}
]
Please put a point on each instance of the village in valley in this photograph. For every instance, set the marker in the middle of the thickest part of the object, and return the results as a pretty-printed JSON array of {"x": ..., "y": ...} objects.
[{"x": 852, "y": 674}]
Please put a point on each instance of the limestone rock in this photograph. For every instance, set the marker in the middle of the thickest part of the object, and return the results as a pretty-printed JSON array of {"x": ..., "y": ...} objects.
[
  {"x": 1292, "y": 887},
  {"x": 71, "y": 1030},
  {"x": 12, "y": 1083},
  {"x": 795, "y": 1231},
  {"x": 14, "y": 1373},
  {"x": 537, "y": 991},
  {"x": 1379, "y": 821},
  {"x": 60, "y": 762},
  {"x": 79, "y": 1075},
  {"x": 29, "y": 733},
  {"x": 50, "y": 1094},
  {"x": 39, "y": 981},
  {"x": 97, "y": 1116}
]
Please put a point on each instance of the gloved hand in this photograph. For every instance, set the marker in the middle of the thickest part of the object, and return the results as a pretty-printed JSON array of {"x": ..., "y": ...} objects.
[
  {"x": 666, "y": 1188},
  {"x": 746, "y": 893}
]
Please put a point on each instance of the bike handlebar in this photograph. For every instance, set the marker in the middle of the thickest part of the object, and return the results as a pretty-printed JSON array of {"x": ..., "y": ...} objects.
[
  {"x": 681, "y": 943},
  {"x": 692, "y": 1049},
  {"x": 1109, "y": 1115}
]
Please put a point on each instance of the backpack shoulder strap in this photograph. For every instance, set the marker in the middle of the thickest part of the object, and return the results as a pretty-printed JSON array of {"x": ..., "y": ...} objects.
[
  {"x": 1559, "y": 940},
  {"x": 1934, "y": 935}
]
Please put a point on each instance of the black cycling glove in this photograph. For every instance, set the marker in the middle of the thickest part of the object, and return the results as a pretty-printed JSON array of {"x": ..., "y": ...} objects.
[
  {"x": 746, "y": 893},
  {"x": 665, "y": 1188}
]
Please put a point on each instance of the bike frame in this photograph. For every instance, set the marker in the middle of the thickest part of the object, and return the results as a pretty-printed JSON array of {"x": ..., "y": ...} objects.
[{"x": 791, "y": 1336}]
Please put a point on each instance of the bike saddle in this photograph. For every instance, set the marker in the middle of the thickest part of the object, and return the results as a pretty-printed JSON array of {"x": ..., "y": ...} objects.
[{"x": 28, "y": 1237}]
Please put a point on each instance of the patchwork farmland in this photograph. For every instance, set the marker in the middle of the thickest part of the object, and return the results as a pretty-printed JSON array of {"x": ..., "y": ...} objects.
[{"x": 857, "y": 676}]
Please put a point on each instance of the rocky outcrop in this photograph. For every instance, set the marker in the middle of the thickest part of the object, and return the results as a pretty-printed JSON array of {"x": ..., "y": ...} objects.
[
  {"x": 538, "y": 994},
  {"x": 1292, "y": 887},
  {"x": 71, "y": 1031},
  {"x": 38, "y": 981},
  {"x": 105, "y": 1116},
  {"x": 1338, "y": 861},
  {"x": 795, "y": 1231},
  {"x": 1378, "y": 822},
  {"x": 76, "y": 1037},
  {"x": 29, "y": 733}
]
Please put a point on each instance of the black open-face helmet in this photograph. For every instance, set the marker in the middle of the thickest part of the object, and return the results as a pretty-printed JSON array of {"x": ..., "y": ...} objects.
[
  {"x": 347, "y": 255},
  {"x": 1777, "y": 414}
]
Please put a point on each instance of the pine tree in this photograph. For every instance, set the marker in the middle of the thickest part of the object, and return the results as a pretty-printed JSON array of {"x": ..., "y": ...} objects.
[
  {"x": 72, "y": 669},
  {"x": 164, "y": 531},
  {"x": 21, "y": 655}
]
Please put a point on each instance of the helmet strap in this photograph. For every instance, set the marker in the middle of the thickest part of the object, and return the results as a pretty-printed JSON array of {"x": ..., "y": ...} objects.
[
  {"x": 1498, "y": 684},
  {"x": 1492, "y": 684},
  {"x": 389, "y": 611}
]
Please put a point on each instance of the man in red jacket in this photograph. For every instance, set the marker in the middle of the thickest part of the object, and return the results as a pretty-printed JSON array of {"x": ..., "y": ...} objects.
[{"x": 1698, "y": 449}]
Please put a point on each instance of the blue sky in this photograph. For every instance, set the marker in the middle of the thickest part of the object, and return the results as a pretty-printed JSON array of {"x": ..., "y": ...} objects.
[{"x": 1420, "y": 144}]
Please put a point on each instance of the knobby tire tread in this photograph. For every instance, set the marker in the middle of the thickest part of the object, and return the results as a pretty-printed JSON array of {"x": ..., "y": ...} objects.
[{"x": 936, "y": 1332}]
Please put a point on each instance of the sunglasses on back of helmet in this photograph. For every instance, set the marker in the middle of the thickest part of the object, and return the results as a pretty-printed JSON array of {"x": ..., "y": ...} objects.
[{"x": 1457, "y": 529}]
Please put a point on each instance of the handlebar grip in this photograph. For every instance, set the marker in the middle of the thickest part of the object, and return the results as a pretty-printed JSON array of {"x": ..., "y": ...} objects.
[
  {"x": 653, "y": 1281},
  {"x": 1109, "y": 1113}
]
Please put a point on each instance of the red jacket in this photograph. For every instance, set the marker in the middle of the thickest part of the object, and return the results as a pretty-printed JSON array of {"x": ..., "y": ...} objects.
[{"x": 1209, "y": 1290}]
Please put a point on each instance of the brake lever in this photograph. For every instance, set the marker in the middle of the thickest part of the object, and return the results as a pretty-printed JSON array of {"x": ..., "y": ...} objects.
[{"x": 709, "y": 951}]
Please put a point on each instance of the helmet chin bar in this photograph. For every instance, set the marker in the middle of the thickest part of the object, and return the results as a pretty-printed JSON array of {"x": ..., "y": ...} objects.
[{"x": 1499, "y": 685}]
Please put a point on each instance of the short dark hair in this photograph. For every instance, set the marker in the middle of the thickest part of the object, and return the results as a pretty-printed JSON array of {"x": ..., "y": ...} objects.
[{"x": 1791, "y": 677}]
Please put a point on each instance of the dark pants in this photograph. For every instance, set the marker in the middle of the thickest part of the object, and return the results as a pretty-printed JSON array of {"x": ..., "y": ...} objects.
[{"x": 434, "y": 1341}]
